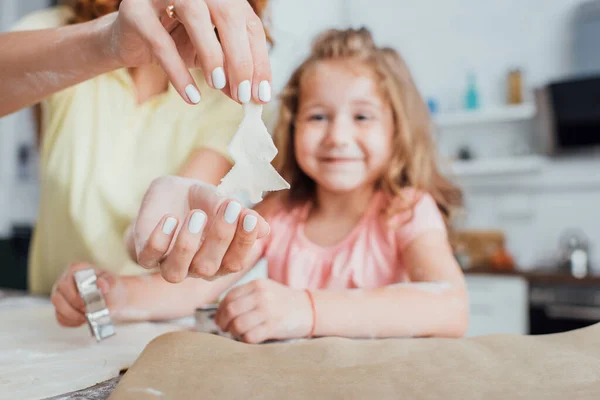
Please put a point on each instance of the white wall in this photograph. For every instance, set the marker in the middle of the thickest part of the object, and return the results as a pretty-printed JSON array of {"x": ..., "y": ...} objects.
[
  {"x": 443, "y": 39},
  {"x": 294, "y": 26}
]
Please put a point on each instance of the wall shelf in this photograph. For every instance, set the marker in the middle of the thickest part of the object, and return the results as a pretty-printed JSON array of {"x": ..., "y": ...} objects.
[
  {"x": 498, "y": 166},
  {"x": 521, "y": 112}
]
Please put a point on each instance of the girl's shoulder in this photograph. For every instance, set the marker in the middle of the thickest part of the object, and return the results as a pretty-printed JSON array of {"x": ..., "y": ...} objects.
[
  {"x": 404, "y": 201},
  {"x": 412, "y": 212}
]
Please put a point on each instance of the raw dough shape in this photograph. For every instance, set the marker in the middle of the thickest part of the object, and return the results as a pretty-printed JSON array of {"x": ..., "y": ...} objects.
[
  {"x": 252, "y": 150},
  {"x": 40, "y": 359}
]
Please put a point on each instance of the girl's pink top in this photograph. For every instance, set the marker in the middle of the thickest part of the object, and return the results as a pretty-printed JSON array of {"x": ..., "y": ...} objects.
[{"x": 369, "y": 256}]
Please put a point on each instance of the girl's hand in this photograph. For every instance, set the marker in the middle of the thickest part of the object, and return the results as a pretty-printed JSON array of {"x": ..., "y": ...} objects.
[
  {"x": 186, "y": 229},
  {"x": 68, "y": 304},
  {"x": 237, "y": 62},
  {"x": 264, "y": 309}
]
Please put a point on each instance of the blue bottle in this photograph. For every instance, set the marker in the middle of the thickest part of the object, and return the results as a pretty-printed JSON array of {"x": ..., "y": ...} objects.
[
  {"x": 472, "y": 95},
  {"x": 432, "y": 105}
]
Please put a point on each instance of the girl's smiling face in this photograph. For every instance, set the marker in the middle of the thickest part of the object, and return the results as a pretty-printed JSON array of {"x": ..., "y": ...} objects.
[{"x": 344, "y": 127}]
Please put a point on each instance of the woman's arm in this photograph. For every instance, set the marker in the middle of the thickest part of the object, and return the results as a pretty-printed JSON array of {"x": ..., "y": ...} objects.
[
  {"x": 435, "y": 304},
  {"x": 38, "y": 63}
]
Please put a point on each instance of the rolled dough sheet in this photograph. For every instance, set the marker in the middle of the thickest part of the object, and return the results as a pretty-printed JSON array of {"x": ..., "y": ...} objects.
[
  {"x": 188, "y": 365},
  {"x": 39, "y": 359}
]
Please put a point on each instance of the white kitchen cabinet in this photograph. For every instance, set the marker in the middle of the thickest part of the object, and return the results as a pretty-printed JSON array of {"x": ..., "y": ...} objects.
[{"x": 497, "y": 304}]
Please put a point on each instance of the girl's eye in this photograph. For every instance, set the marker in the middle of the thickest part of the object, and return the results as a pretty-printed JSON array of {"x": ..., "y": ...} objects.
[
  {"x": 362, "y": 117},
  {"x": 317, "y": 117}
]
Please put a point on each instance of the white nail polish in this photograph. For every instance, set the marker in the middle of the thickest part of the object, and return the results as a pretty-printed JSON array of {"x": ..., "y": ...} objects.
[
  {"x": 169, "y": 225},
  {"x": 192, "y": 93},
  {"x": 264, "y": 91},
  {"x": 218, "y": 78},
  {"x": 232, "y": 212},
  {"x": 244, "y": 92},
  {"x": 196, "y": 222},
  {"x": 250, "y": 222}
]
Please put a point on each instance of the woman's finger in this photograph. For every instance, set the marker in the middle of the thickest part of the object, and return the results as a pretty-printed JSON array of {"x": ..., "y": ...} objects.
[
  {"x": 231, "y": 26},
  {"x": 165, "y": 51},
  {"x": 195, "y": 16},
  {"x": 175, "y": 267},
  {"x": 158, "y": 243},
  {"x": 261, "y": 88},
  {"x": 207, "y": 260},
  {"x": 235, "y": 258},
  {"x": 229, "y": 310}
]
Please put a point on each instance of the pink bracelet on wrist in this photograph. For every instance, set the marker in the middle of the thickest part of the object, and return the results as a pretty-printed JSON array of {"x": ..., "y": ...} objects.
[{"x": 314, "y": 313}]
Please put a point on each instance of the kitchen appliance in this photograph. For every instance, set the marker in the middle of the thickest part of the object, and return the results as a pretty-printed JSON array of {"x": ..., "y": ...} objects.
[
  {"x": 563, "y": 305},
  {"x": 569, "y": 115},
  {"x": 574, "y": 250}
]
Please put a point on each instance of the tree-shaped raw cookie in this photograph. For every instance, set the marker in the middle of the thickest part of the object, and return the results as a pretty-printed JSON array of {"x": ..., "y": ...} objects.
[{"x": 252, "y": 150}]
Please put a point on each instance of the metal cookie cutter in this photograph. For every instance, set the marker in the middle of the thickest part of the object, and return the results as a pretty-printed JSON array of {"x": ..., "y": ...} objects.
[
  {"x": 96, "y": 312},
  {"x": 205, "y": 320}
]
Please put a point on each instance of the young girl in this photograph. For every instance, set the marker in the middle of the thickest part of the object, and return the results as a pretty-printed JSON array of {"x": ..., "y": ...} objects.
[
  {"x": 358, "y": 246},
  {"x": 366, "y": 213}
]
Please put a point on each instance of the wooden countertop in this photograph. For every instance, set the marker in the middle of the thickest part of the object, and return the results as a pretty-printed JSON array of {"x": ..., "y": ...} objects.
[{"x": 539, "y": 276}]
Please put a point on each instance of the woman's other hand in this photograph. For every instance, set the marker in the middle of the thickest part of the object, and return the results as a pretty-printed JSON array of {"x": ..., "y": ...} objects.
[{"x": 186, "y": 229}]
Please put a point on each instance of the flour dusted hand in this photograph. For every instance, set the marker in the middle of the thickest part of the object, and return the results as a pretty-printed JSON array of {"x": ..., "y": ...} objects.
[
  {"x": 186, "y": 229},
  {"x": 252, "y": 150}
]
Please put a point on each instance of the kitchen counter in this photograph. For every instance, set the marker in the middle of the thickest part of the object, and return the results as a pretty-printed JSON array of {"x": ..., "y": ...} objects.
[
  {"x": 540, "y": 276},
  {"x": 556, "y": 301}
]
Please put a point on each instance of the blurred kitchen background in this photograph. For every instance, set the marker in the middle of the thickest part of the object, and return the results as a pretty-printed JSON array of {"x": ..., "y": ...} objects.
[{"x": 514, "y": 91}]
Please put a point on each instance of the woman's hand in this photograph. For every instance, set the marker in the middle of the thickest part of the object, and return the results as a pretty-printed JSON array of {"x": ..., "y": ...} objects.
[
  {"x": 186, "y": 229},
  {"x": 264, "y": 309},
  {"x": 237, "y": 62},
  {"x": 68, "y": 304}
]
